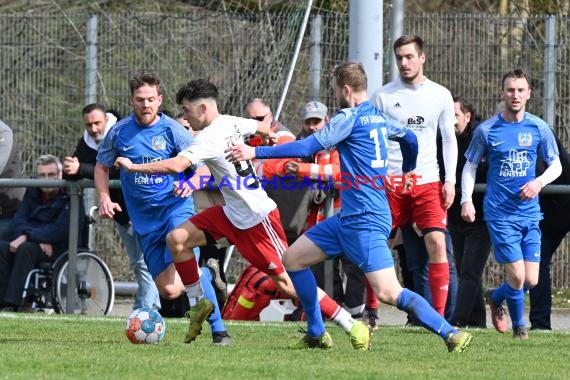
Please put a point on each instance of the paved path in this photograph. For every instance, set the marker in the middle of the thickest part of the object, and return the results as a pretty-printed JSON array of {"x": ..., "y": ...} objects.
[{"x": 389, "y": 316}]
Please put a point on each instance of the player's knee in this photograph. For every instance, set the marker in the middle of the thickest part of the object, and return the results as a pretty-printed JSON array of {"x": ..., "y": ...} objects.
[
  {"x": 517, "y": 281},
  {"x": 170, "y": 292},
  {"x": 388, "y": 298},
  {"x": 288, "y": 262},
  {"x": 435, "y": 245},
  {"x": 531, "y": 283},
  {"x": 175, "y": 241}
]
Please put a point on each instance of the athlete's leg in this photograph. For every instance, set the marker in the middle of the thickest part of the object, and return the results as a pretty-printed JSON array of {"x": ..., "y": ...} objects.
[
  {"x": 514, "y": 292},
  {"x": 438, "y": 269},
  {"x": 169, "y": 284},
  {"x": 531, "y": 248},
  {"x": 181, "y": 242},
  {"x": 171, "y": 287},
  {"x": 298, "y": 259},
  {"x": 430, "y": 216},
  {"x": 215, "y": 319},
  {"x": 385, "y": 284}
]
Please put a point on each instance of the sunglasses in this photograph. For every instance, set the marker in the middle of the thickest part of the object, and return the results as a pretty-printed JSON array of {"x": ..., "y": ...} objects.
[{"x": 259, "y": 118}]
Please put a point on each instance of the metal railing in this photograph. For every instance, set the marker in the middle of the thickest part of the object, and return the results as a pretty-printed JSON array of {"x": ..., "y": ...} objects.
[{"x": 75, "y": 191}]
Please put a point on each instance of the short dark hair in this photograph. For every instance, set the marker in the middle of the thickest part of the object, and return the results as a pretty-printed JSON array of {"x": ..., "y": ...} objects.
[
  {"x": 351, "y": 74},
  {"x": 515, "y": 74},
  {"x": 464, "y": 105},
  {"x": 144, "y": 78},
  {"x": 92, "y": 107},
  {"x": 409, "y": 39},
  {"x": 197, "y": 89},
  {"x": 115, "y": 113}
]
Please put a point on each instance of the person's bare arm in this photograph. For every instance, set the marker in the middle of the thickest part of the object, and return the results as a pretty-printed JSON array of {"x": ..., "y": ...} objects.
[{"x": 107, "y": 207}]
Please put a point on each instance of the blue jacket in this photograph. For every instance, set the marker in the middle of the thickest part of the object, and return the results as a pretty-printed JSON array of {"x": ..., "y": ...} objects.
[{"x": 45, "y": 222}]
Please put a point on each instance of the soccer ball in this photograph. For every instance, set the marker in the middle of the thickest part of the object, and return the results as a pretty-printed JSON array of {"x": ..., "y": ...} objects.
[{"x": 145, "y": 325}]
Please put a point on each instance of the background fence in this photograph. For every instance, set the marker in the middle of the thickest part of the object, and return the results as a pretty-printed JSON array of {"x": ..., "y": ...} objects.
[{"x": 48, "y": 62}]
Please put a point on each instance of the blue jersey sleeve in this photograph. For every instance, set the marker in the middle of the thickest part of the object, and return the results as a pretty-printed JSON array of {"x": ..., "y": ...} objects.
[
  {"x": 548, "y": 143},
  {"x": 338, "y": 129},
  {"x": 107, "y": 153},
  {"x": 478, "y": 146},
  {"x": 409, "y": 148},
  {"x": 182, "y": 138},
  {"x": 406, "y": 138},
  {"x": 299, "y": 148},
  {"x": 396, "y": 130}
]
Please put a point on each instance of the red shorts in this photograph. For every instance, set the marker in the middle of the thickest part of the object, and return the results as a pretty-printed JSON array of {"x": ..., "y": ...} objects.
[
  {"x": 262, "y": 245},
  {"x": 423, "y": 204}
]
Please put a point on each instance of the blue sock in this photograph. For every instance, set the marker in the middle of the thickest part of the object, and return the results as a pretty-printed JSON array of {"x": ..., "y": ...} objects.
[
  {"x": 215, "y": 320},
  {"x": 306, "y": 288},
  {"x": 515, "y": 303},
  {"x": 498, "y": 295},
  {"x": 418, "y": 307}
]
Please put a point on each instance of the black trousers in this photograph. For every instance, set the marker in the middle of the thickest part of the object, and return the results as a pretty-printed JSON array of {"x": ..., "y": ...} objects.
[
  {"x": 353, "y": 296},
  {"x": 471, "y": 248},
  {"x": 14, "y": 268},
  {"x": 541, "y": 294}
]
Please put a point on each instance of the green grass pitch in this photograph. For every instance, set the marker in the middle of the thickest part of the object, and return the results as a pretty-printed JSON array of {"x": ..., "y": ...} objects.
[{"x": 75, "y": 347}]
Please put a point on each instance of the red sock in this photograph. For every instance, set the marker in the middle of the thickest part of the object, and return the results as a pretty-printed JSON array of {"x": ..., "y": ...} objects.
[
  {"x": 439, "y": 285},
  {"x": 188, "y": 271},
  {"x": 329, "y": 307},
  {"x": 371, "y": 299}
]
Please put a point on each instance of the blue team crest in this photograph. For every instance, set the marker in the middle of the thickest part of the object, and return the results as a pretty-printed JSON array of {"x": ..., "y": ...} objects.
[
  {"x": 158, "y": 143},
  {"x": 525, "y": 139}
]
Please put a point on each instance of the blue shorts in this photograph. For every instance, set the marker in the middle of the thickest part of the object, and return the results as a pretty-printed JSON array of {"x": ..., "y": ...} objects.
[
  {"x": 362, "y": 238},
  {"x": 515, "y": 240},
  {"x": 155, "y": 251}
]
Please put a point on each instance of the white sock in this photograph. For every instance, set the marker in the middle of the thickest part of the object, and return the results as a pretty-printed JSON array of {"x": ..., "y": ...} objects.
[
  {"x": 344, "y": 320},
  {"x": 194, "y": 293}
]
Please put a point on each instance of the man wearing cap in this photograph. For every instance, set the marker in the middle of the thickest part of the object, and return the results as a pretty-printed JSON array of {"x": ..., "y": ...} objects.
[
  {"x": 325, "y": 166},
  {"x": 258, "y": 109}
]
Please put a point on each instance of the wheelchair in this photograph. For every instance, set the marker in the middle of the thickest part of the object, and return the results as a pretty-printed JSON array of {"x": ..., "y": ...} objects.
[{"x": 45, "y": 289}]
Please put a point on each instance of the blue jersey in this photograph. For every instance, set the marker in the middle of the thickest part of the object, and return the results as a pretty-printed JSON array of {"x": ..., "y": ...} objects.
[
  {"x": 360, "y": 135},
  {"x": 148, "y": 197},
  {"x": 511, "y": 151}
]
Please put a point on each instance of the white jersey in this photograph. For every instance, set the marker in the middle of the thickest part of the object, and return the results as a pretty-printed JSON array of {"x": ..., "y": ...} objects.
[
  {"x": 245, "y": 207},
  {"x": 422, "y": 108}
]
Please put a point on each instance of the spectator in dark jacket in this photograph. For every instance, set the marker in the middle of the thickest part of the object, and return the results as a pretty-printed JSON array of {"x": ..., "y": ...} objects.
[
  {"x": 40, "y": 233},
  {"x": 554, "y": 226},
  {"x": 471, "y": 241}
]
